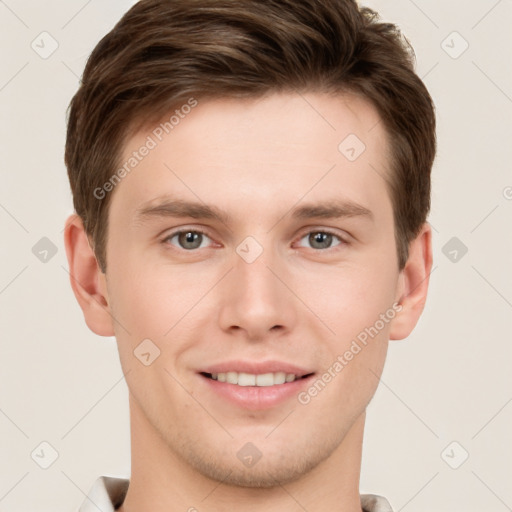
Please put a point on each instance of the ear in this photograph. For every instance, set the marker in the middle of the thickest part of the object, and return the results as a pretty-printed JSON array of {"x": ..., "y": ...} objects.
[
  {"x": 87, "y": 280},
  {"x": 413, "y": 284}
]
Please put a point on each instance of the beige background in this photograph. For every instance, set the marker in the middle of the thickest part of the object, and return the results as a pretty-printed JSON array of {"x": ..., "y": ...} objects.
[{"x": 450, "y": 381}]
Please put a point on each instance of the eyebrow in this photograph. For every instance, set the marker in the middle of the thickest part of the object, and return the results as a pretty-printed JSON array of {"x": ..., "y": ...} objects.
[{"x": 330, "y": 209}]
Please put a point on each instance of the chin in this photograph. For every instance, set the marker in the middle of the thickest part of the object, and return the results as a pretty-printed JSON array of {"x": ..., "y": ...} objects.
[{"x": 279, "y": 467}]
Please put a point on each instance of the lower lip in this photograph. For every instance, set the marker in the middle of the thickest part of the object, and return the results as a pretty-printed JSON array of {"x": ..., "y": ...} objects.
[{"x": 257, "y": 397}]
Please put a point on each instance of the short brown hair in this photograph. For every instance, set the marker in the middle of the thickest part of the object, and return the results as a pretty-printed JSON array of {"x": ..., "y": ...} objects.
[{"x": 162, "y": 52}]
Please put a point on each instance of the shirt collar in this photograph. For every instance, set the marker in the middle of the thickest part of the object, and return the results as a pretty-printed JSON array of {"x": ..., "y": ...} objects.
[{"x": 106, "y": 495}]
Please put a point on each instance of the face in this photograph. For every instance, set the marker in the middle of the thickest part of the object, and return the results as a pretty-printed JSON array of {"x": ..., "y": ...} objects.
[{"x": 255, "y": 245}]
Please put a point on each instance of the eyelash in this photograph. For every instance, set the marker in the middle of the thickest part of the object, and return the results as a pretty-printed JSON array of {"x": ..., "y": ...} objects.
[{"x": 341, "y": 240}]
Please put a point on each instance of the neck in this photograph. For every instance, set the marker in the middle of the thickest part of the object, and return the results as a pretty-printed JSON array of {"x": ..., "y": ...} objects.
[{"x": 163, "y": 482}]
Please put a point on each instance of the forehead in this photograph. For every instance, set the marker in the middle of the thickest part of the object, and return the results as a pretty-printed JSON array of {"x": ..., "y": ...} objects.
[{"x": 254, "y": 153}]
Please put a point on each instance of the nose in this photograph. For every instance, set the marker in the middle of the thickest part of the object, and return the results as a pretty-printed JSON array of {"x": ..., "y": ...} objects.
[{"x": 256, "y": 301}]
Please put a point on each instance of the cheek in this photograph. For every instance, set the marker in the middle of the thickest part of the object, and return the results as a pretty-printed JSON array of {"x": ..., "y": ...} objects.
[
  {"x": 345, "y": 388},
  {"x": 151, "y": 299},
  {"x": 162, "y": 304},
  {"x": 362, "y": 323},
  {"x": 348, "y": 300}
]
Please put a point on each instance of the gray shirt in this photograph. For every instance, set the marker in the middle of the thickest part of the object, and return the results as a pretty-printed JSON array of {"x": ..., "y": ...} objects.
[{"x": 108, "y": 493}]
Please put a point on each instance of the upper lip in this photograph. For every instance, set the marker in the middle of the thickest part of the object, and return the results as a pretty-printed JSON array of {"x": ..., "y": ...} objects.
[{"x": 256, "y": 368}]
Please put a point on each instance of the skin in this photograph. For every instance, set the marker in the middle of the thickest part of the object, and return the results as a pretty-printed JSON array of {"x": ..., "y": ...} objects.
[{"x": 257, "y": 160}]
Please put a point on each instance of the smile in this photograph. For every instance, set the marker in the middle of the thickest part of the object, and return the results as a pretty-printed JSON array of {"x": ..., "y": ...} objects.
[{"x": 251, "y": 379}]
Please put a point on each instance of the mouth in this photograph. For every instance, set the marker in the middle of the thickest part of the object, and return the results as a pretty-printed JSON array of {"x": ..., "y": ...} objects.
[
  {"x": 255, "y": 385},
  {"x": 259, "y": 380}
]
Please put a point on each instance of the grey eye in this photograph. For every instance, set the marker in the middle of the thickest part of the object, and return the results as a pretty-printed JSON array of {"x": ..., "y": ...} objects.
[
  {"x": 189, "y": 240},
  {"x": 321, "y": 239}
]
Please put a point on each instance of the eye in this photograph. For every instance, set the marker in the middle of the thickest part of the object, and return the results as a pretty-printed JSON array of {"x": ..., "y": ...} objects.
[
  {"x": 322, "y": 239},
  {"x": 191, "y": 239},
  {"x": 188, "y": 239}
]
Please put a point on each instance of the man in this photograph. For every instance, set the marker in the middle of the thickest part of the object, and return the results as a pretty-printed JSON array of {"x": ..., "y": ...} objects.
[{"x": 251, "y": 183}]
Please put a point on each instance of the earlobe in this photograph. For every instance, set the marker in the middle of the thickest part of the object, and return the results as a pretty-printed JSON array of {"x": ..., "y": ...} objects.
[
  {"x": 87, "y": 280},
  {"x": 413, "y": 286}
]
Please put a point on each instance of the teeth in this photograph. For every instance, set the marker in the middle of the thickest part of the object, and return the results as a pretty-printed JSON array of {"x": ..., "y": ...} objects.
[
  {"x": 250, "y": 379},
  {"x": 246, "y": 379},
  {"x": 232, "y": 378}
]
